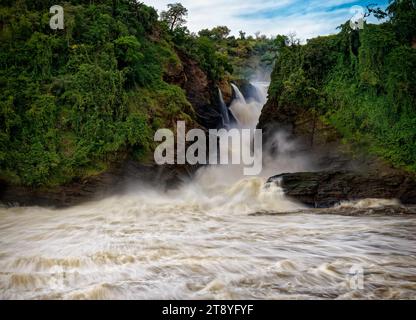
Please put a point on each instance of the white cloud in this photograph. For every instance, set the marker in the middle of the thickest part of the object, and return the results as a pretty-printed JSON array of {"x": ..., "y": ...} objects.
[{"x": 307, "y": 18}]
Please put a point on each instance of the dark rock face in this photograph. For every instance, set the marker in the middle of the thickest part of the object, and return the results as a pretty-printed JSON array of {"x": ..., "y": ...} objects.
[
  {"x": 200, "y": 92},
  {"x": 227, "y": 92},
  {"x": 204, "y": 98},
  {"x": 390, "y": 210},
  {"x": 272, "y": 115},
  {"x": 247, "y": 89},
  {"x": 304, "y": 125},
  {"x": 320, "y": 142},
  {"x": 115, "y": 181},
  {"x": 325, "y": 189},
  {"x": 347, "y": 173}
]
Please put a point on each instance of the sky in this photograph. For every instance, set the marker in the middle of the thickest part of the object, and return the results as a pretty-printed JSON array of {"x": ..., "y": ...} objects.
[{"x": 307, "y": 18}]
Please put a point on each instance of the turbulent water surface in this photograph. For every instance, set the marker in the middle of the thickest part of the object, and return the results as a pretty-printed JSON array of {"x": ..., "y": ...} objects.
[
  {"x": 152, "y": 247},
  {"x": 201, "y": 242}
]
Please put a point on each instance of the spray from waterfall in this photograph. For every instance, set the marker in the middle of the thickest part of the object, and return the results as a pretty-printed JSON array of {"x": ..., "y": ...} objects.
[
  {"x": 188, "y": 242},
  {"x": 200, "y": 241},
  {"x": 247, "y": 111},
  {"x": 225, "y": 188}
]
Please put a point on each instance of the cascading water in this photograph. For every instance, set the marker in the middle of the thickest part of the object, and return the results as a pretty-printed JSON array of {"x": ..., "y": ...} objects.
[
  {"x": 224, "y": 111},
  {"x": 248, "y": 112},
  {"x": 238, "y": 95},
  {"x": 199, "y": 242}
]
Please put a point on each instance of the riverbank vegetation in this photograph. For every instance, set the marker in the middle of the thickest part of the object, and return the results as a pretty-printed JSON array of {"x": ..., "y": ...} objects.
[
  {"x": 72, "y": 101},
  {"x": 363, "y": 82}
]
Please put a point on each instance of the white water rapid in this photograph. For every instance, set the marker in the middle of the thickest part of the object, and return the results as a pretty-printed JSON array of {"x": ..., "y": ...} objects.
[{"x": 200, "y": 242}]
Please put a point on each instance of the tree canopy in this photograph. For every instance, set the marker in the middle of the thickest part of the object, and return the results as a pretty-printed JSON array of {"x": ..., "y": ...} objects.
[
  {"x": 363, "y": 82},
  {"x": 175, "y": 16}
]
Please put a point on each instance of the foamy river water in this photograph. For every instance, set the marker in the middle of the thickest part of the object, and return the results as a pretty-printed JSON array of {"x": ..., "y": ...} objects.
[
  {"x": 202, "y": 242},
  {"x": 145, "y": 246}
]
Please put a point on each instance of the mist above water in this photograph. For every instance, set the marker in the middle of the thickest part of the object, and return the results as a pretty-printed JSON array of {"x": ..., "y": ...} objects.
[
  {"x": 148, "y": 246},
  {"x": 285, "y": 157},
  {"x": 199, "y": 241}
]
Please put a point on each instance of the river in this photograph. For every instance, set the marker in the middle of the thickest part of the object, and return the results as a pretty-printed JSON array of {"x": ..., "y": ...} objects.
[{"x": 201, "y": 242}]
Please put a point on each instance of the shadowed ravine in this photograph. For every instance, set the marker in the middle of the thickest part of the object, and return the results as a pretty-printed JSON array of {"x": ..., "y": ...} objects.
[{"x": 206, "y": 241}]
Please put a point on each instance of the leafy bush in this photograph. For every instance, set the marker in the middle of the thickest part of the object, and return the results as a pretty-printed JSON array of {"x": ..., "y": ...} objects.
[
  {"x": 363, "y": 83},
  {"x": 66, "y": 96}
]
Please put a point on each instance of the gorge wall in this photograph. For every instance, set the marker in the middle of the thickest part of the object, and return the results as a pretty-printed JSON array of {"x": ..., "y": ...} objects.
[{"x": 342, "y": 99}]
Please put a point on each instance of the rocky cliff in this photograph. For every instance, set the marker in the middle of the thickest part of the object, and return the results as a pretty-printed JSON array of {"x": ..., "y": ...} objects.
[
  {"x": 202, "y": 95},
  {"x": 328, "y": 188},
  {"x": 345, "y": 172}
]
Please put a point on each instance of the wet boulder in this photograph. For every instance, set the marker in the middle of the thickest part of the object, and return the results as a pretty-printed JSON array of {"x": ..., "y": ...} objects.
[{"x": 327, "y": 188}]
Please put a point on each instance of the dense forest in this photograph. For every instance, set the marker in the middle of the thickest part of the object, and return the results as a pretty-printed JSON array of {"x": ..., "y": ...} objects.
[
  {"x": 75, "y": 100},
  {"x": 362, "y": 82}
]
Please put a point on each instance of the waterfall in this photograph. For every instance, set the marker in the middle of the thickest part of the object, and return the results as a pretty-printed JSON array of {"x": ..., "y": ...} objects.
[
  {"x": 238, "y": 95},
  {"x": 141, "y": 233},
  {"x": 247, "y": 111},
  {"x": 224, "y": 111}
]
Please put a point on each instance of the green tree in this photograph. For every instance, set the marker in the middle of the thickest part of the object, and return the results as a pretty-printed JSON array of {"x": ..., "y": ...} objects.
[
  {"x": 403, "y": 18},
  {"x": 218, "y": 33},
  {"x": 175, "y": 15}
]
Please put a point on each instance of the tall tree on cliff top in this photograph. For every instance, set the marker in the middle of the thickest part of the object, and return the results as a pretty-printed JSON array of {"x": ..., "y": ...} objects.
[{"x": 175, "y": 16}]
